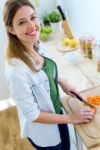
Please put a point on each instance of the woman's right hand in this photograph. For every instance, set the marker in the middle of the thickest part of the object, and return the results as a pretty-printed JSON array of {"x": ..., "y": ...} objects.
[{"x": 82, "y": 116}]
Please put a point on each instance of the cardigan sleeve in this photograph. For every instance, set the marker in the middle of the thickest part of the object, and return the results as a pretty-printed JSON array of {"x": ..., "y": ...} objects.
[{"x": 20, "y": 89}]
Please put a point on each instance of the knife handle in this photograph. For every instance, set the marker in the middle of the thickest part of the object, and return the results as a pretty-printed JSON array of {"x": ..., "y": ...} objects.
[
  {"x": 61, "y": 12},
  {"x": 77, "y": 96}
]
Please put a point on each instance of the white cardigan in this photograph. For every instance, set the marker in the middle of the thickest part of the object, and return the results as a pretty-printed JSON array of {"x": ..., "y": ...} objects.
[{"x": 31, "y": 92}]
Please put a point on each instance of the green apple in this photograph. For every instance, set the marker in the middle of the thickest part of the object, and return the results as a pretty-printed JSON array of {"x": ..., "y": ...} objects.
[
  {"x": 44, "y": 36},
  {"x": 46, "y": 29}
]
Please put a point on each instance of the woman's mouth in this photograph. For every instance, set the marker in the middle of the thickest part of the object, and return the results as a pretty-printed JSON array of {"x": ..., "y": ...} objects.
[{"x": 32, "y": 33}]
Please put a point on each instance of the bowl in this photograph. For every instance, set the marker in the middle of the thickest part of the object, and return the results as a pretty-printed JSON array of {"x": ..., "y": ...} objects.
[{"x": 73, "y": 57}]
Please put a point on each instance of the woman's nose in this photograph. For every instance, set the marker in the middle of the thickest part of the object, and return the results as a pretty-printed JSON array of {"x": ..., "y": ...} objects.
[{"x": 31, "y": 24}]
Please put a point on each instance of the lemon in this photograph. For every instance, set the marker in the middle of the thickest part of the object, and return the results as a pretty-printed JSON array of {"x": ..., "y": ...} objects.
[
  {"x": 73, "y": 43},
  {"x": 66, "y": 41}
]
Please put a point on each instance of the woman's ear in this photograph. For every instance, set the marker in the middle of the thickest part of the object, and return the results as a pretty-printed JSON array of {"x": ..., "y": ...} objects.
[{"x": 11, "y": 30}]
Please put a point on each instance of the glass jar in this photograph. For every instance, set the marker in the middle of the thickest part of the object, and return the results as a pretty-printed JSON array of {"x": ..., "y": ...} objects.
[
  {"x": 89, "y": 46},
  {"x": 98, "y": 59},
  {"x": 82, "y": 43},
  {"x": 96, "y": 54}
]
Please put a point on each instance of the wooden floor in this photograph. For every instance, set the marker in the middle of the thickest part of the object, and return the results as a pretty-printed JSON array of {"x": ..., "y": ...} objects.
[{"x": 9, "y": 132}]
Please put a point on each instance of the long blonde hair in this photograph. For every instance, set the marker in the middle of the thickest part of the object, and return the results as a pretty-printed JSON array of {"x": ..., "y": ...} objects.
[{"x": 15, "y": 49}]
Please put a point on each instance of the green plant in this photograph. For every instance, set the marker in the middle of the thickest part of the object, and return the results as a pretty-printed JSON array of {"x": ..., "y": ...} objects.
[
  {"x": 46, "y": 20},
  {"x": 54, "y": 17}
]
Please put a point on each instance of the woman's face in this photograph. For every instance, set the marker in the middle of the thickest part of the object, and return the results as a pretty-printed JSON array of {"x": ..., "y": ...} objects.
[{"x": 25, "y": 25}]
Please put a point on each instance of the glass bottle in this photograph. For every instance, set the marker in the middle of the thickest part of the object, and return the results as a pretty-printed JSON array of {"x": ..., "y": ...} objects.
[
  {"x": 89, "y": 46},
  {"x": 98, "y": 58}
]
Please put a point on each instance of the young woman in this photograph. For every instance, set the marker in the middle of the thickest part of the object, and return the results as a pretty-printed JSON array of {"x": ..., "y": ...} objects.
[{"x": 33, "y": 81}]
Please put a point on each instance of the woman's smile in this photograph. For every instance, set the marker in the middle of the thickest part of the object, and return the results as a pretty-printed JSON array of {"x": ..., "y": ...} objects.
[{"x": 32, "y": 32}]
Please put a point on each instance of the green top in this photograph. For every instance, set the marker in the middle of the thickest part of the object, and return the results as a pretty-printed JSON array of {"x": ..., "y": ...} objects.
[{"x": 50, "y": 69}]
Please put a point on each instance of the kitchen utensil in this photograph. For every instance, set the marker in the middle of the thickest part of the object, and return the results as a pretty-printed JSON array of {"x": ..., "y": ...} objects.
[
  {"x": 66, "y": 26},
  {"x": 83, "y": 100}
]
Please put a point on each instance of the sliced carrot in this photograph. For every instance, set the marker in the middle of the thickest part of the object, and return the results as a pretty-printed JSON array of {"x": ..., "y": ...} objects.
[{"x": 94, "y": 100}]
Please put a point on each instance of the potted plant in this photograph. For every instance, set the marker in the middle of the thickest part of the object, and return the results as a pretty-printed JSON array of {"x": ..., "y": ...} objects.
[
  {"x": 46, "y": 20},
  {"x": 55, "y": 21}
]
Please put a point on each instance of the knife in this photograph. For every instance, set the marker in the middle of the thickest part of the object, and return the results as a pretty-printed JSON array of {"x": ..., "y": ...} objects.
[
  {"x": 65, "y": 23},
  {"x": 83, "y": 100}
]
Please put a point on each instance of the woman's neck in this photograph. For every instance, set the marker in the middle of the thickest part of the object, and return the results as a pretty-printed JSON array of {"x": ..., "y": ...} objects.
[{"x": 29, "y": 46}]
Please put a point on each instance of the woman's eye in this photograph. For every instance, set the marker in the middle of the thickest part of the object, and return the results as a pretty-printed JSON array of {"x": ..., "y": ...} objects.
[
  {"x": 34, "y": 17},
  {"x": 21, "y": 23}
]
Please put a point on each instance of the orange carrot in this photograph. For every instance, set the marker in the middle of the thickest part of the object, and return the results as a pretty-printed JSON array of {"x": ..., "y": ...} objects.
[{"x": 94, "y": 100}]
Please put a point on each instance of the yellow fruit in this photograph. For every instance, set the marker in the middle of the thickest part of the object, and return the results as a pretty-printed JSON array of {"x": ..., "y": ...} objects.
[
  {"x": 66, "y": 41},
  {"x": 73, "y": 43}
]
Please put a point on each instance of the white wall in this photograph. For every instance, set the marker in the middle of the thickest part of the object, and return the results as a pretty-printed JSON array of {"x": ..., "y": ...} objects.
[
  {"x": 45, "y": 6},
  {"x": 84, "y": 16},
  {"x": 3, "y": 87}
]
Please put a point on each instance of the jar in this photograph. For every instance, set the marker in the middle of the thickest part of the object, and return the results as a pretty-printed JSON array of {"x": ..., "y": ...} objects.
[
  {"x": 89, "y": 46},
  {"x": 82, "y": 42},
  {"x": 94, "y": 54},
  {"x": 98, "y": 66},
  {"x": 98, "y": 59}
]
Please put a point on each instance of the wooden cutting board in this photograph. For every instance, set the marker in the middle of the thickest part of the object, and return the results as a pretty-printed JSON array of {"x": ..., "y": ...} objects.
[
  {"x": 63, "y": 48},
  {"x": 89, "y": 132}
]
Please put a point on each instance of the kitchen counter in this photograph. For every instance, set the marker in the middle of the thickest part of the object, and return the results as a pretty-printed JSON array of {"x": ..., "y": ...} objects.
[{"x": 81, "y": 71}]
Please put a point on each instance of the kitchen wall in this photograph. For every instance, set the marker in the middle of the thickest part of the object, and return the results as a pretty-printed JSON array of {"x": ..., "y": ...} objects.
[
  {"x": 4, "y": 92},
  {"x": 44, "y": 6},
  {"x": 84, "y": 16}
]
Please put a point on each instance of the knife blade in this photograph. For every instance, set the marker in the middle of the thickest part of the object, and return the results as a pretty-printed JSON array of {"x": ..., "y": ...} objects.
[{"x": 83, "y": 100}]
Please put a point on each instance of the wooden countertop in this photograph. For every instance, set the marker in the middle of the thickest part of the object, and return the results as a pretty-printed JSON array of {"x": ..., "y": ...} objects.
[{"x": 82, "y": 73}]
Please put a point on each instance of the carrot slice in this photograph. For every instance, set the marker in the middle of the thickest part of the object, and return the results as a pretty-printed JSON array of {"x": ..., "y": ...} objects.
[{"x": 94, "y": 100}]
